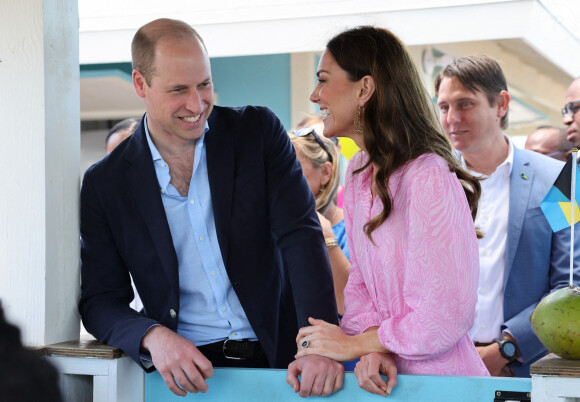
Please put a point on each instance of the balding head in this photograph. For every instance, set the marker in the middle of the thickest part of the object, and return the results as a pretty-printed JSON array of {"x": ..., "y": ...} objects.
[
  {"x": 149, "y": 35},
  {"x": 550, "y": 141}
]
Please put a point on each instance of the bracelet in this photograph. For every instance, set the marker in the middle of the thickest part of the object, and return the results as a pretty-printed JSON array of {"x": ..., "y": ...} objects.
[{"x": 331, "y": 242}]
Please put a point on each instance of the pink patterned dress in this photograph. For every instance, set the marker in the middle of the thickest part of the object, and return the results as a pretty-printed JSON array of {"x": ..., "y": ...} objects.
[{"x": 419, "y": 283}]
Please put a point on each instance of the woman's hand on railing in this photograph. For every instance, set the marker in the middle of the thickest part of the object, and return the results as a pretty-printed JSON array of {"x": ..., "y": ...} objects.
[{"x": 368, "y": 373}]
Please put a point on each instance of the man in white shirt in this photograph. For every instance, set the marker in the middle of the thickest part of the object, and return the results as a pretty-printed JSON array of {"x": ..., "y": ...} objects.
[{"x": 521, "y": 259}]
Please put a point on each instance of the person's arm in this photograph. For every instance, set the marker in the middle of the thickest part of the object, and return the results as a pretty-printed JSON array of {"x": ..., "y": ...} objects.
[
  {"x": 360, "y": 311},
  {"x": 339, "y": 264},
  {"x": 295, "y": 227},
  {"x": 441, "y": 270},
  {"x": 440, "y": 280},
  {"x": 105, "y": 282},
  {"x": 519, "y": 325},
  {"x": 296, "y": 232}
]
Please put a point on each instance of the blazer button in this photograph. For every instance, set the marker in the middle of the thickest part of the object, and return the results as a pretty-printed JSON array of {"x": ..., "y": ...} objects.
[{"x": 172, "y": 313}]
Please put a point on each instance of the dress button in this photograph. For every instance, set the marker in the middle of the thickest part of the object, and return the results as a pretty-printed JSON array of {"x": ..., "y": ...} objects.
[{"x": 172, "y": 313}]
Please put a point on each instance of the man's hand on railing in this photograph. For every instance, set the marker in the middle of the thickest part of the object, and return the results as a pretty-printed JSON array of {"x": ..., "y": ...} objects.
[
  {"x": 319, "y": 376},
  {"x": 182, "y": 366}
]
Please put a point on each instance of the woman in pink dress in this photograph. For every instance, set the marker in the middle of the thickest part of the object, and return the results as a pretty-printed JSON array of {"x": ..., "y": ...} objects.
[{"x": 409, "y": 208}]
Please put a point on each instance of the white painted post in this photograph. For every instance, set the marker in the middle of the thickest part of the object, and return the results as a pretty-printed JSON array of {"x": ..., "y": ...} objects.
[
  {"x": 302, "y": 82},
  {"x": 113, "y": 380},
  {"x": 39, "y": 180}
]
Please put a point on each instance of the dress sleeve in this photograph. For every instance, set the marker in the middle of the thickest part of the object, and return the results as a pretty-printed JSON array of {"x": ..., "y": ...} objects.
[
  {"x": 441, "y": 267},
  {"x": 360, "y": 313}
]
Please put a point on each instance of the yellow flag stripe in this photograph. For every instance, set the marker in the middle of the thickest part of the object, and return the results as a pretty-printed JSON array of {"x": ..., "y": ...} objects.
[{"x": 565, "y": 206}]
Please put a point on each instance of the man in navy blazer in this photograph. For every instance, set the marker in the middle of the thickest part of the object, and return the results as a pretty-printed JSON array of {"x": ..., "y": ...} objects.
[
  {"x": 207, "y": 209},
  {"x": 521, "y": 259}
]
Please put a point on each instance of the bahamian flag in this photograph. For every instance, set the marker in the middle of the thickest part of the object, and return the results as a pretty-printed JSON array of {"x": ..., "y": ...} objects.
[{"x": 556, "y": 204}]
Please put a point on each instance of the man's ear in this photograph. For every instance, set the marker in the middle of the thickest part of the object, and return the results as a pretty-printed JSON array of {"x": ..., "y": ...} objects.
[
  {"x": 139, "y": 83},
  {"x": 503, "y": 100},
  {"x": 367, "y": 89}
]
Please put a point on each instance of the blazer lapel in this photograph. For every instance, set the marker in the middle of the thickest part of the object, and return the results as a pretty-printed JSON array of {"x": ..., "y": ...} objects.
[
  {"x": 521, "y": 179},
  {"x": 142, "y": 181},
  {"x": 220, "y": 166}
]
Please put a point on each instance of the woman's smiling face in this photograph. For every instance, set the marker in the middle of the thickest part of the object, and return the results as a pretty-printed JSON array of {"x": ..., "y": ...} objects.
[{"x": 337, "y": 97}]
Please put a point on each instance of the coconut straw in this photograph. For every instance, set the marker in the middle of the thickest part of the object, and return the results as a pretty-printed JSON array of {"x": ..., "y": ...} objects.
[{"x": 572, "y": 208}]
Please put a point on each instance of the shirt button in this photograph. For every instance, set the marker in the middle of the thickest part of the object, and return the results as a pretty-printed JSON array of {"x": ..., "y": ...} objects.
[
  {"x": 191, "y": 202},
  {"x": 162, "y": 164},
  {"x": 482, "y": 290},
  {"x": 201, "y": 238},
  {"x": 224, "y": 309},
  {"x": 483, "y": 252},
  {"x": 483, "y": 327},
  {"x": 162, "y": 191},
  {"x": 212, "y": 273},
  {"x": 172, "y": 313},
  {"x": 235, "y": 334},
  {"x": 486, "y": 217}
]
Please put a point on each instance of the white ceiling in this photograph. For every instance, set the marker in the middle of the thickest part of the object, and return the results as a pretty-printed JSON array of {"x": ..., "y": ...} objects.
[{"x": 535, "y": 41}]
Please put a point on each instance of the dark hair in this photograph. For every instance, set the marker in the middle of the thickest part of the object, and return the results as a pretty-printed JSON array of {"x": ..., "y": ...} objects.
[
  {"x": 24, "y": 375},
  {"x": 124, "y": 125},
  {"x": 478, "y": 73},
  {"x": 400, "y": 122},
  {"x": 146, "y": 39}
]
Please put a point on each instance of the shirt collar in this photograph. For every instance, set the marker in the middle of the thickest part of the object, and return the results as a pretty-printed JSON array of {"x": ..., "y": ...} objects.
[{"x": 508, "y": 161}]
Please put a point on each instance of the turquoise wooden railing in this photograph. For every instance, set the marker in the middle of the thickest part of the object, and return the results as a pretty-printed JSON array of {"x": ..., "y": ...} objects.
[{"x": 245, "y": 385}]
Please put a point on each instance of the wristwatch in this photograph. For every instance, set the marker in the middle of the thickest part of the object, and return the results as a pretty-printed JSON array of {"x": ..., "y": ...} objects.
[{"x": 508, "y": 349}]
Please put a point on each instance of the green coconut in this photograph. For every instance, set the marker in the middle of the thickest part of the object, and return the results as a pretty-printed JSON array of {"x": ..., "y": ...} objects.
[{"x": 556, "y": 322}]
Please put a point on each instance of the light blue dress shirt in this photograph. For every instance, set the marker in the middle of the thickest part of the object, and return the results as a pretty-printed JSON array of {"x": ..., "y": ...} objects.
[{"x": 209, "y": 309}]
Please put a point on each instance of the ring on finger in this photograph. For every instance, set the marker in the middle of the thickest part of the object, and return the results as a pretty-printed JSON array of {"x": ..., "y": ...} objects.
[{"x": 305, "y": 344}]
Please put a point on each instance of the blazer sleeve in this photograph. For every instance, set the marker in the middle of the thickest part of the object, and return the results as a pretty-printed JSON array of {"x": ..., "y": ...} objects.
[
  {"x": 558, "y": 277},
  {"x": 105, "y": 283},
  {"x": 295, "y": 227}
]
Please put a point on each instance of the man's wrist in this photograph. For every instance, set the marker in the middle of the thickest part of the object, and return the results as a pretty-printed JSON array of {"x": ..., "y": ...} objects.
[{"x": 508, "y": 349}]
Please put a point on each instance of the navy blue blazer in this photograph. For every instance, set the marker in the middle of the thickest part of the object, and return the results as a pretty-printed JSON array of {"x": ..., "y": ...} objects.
[{"x": 267, "y": 228}]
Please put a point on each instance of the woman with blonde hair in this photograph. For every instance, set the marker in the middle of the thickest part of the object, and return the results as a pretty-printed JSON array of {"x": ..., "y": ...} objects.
[
  {"x": 319, "y": 159},
  {"x": 409, "y": 208}
]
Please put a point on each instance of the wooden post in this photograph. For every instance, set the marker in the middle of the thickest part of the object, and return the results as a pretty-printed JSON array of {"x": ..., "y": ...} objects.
[{"x": 40, "y": 143}]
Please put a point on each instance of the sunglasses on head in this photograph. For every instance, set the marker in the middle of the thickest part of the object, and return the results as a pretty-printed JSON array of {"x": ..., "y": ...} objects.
[{"x": 303, "y": 132}]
